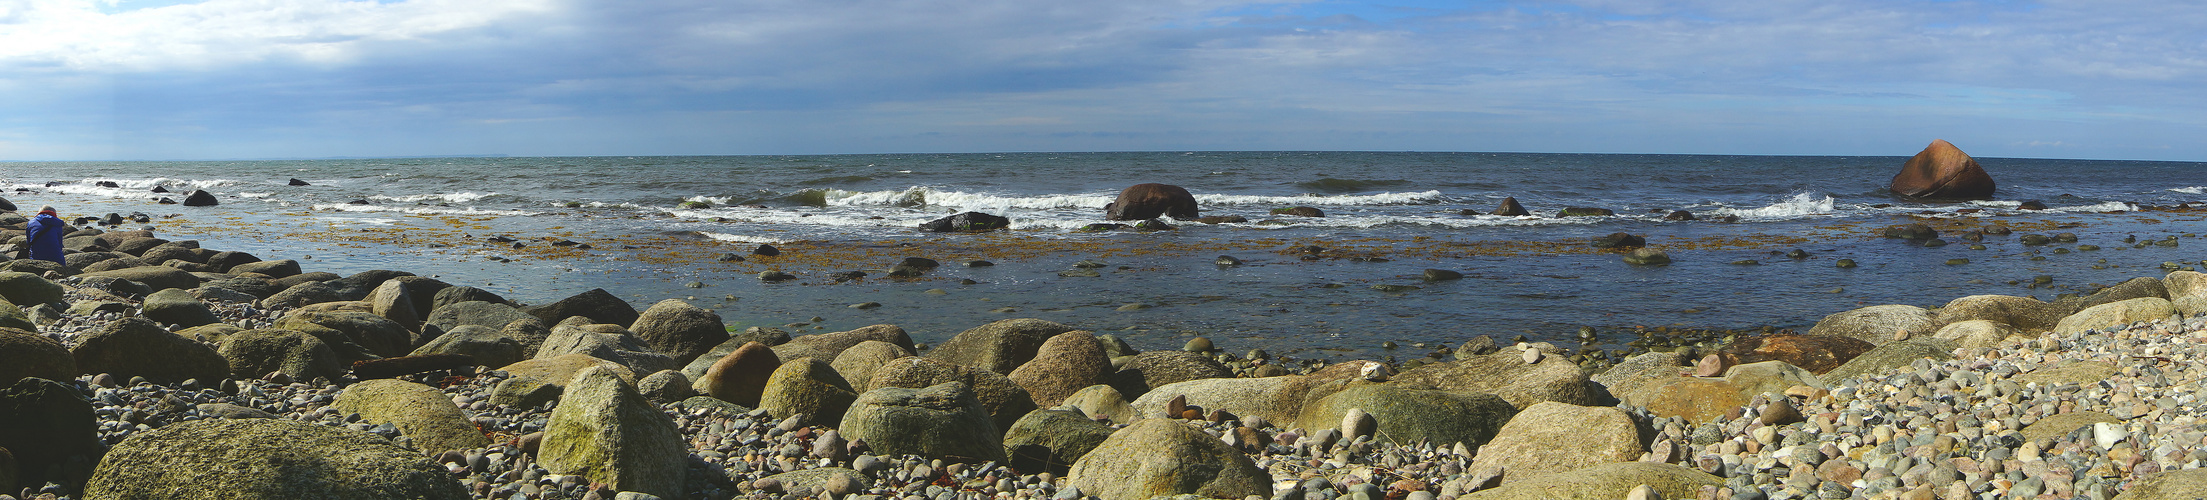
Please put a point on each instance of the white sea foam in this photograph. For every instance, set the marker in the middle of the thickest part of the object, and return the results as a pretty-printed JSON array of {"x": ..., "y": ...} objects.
[
  {"x": 460, "y": 197},
  {"x": 2191, "y": 190},
  {"x": 135, "y": 188},
  {"x": 1996, "y": 203},
  {"x": 1416, "y": 198},
  {"x": 961, "y": 200},
  {"x": 2101, "y": 207},
  {"x": 739, "y": 238},
  {"x": 421, "y": 210},
  {"x": 255, "y": 195},
  {"x": 1799, "y": 205}
]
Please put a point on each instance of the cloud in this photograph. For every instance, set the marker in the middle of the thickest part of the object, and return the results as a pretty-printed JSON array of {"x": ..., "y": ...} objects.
[{"x": 250, "y": 78}]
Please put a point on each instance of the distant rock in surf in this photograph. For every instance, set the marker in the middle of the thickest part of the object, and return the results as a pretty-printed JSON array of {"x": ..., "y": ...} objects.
[
  {"x": 1585, "y": 212},
  {"x": 1510, "y": 208},
  {"x": 160, "y": 189},
  {"x": 1680, "y": 215},
  {"x": 296, "y": 182},
  {"x": 1150, "y": 201},
  {"x": 966, "y": 222},
  {"x": 1299, "y": 212},
  {"x": 200, "y": 198},
  {"x": 1943, "y": 172}
]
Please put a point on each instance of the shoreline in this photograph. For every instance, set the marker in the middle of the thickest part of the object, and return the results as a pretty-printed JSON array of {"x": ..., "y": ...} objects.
[{"x": 1921, "y": 415}]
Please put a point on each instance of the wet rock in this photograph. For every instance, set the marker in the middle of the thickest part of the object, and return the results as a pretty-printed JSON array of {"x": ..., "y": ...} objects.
[
  {"x": 1942, "y": 171},
  {"x": 1617, "y": 240},
  {"x": 1510, "y": 208},
  {"x": 1150, "y": 201},
  {"x": 1647, "y": 257},
  {"x": 967, "y": 222},
  {"x": 50, "y": 430},
  {"x": 201, "y": 198}
]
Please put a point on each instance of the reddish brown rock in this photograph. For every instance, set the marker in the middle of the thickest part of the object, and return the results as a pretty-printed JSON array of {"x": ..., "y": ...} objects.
[
  {"x": 1816, "y": 353},
  {"x": 1065, "y": 364},
  {"x": 1699, "y": 400},
  {"x": 740, "y": 376},
  {"x": 1943, "y": 171},
  {"x": 1150, "y": 201}
]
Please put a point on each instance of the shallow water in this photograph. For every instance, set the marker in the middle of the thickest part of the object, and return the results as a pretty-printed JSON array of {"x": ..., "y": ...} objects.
[{"x": 1527, "y": 276}]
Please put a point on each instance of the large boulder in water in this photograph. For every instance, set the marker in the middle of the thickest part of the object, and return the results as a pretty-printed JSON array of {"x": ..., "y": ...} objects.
[
  {"x": 1150, "y": 201},
  {"x": 1943, "y": 171},
  {"x": 1510, "y": 208},
  {"x": 267, "y": 459},
  {"x": 966, "y": 222},
  {"x": 200, "y": 198}
]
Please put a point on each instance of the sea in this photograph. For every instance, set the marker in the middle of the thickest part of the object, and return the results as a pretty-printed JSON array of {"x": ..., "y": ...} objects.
[{"x": 1350, "y": 283}]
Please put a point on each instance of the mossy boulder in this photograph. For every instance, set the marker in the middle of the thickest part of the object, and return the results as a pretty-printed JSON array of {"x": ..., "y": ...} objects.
[
  {"x": 267, "y": 459},
  {"x": 422, "y": 413}
]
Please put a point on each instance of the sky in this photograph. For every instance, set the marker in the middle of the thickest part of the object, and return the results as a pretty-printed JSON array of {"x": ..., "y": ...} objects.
[{"x": 221, "y": 79}]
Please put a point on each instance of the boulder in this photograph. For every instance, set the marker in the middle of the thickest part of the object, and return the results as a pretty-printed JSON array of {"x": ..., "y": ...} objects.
[
  {"x": 267, "y": 459},
  {"x": 1647, "y": 257},
  {"x": 2168, "y": 485},
  {"x": 608, "y": 342},
  {"x": 1886, "y": 358},
  {"x": 305, "y": 294},
  {"x": 1051, "y": 440},
  {"x": 557, "y": 370},
  {"x": 828, "y": 345},
  {"x": 26, "y": 289},
  {"x": 1101, "y": 401},
  {"x": 136, "y": 347},
  {"x": 422, "y": 413},
  {"x": 1629, "y": 377},
  {"x": 474, "y": 312},
  {"x": 1877, "y": 324},
  {"x": 13, "y": 317},
  {"x": 1408, "y": 415},
  {"x": 1003, "y": 399},
  {"x": 1063, "y": 364},
  {"x": 1162, "y": 457},
  {"x": 259, "y": 288},
  {"x": 999, "y": 346},
  {"x": 1243, "y": 397},
  {"x": 1771, "y": 377},
  {"x": 740, "y": 377},
  {"x": 254, "y": 353},
  {"x": 1585, "y": 212},
  {"x": 526, "y": 330},
  {"x": 1698, "y": 400},
  {"x": 2134, "y": 288},
  {"x": 1604, "y": 482},
  {"x": 681, "y": 330},
  {"x": 528, "y": 392},
  {"x": 1556, "y": 437},
  {"x": 860, "y": 361},
  {"x": 155, "y": 277},
  {"x": 174, "y": 306},
  {"x": 1942, "y": 171},
  {"x": 2025, "y": 314},
  {"x": 942, "y": 420},
  {"x": 666, "y": 386},
  {"x": 2185, "y": 284},
  {"x": 596, "y": 304},
  {"x": 1817, "y": 353},
  {"x": 200, "y": 198},
  {"x": 487, "y": 346},
  {"x": 1299, "y": 211},
  {"x": 1150, "y": 201},
  {"x": 1510, "y": 208},
  {"x": 24, "y": 355},
  {"x": 1976, "y": 333},
  {"x": 1505, "y": 374},
  {"x": 1617, "y": 240},
  {"x": 51, "y": 431},
  {"x": 392, "y": 301},
  {"x": 378, "y": 336},
  {"x": 1159, "y": 368},
  {"x": 807, "y": 386},
  {"x": 270, "y": 268},
  {"x": 2116, "y": 315},
  {"x": 967, "y": 222},
  {"x": 223, "y": 262},
  {"x": 606, "y": 431}
]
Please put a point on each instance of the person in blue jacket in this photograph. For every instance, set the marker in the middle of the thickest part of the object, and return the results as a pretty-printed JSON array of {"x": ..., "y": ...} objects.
[{"x": 45, "y": 235}]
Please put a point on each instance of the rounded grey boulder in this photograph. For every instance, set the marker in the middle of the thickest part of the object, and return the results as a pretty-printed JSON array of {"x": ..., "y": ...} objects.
[{"x": 266, "y": 458}]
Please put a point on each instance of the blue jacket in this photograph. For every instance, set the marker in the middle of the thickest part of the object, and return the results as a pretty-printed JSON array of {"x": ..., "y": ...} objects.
[{"x": 45, "y": 235}]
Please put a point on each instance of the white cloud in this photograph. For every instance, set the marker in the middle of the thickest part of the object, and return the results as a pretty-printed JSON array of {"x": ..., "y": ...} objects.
[{"x": 77, "y": 36}]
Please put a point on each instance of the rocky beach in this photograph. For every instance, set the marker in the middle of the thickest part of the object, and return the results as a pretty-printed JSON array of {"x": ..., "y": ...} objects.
[{"x": 149, "y": 368}]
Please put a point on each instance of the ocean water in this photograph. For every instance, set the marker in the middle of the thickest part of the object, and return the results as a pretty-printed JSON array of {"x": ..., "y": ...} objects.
[{"x": 1389, "y": 217}]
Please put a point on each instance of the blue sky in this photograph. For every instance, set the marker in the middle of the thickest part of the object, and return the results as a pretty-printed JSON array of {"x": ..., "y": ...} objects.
[{"x": 179, "y": 79}]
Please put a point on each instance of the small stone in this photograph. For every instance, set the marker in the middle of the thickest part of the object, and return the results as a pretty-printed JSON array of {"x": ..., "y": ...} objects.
[
  {"x": 1198, "y": 344},
  {"x": 1356, "y": 423},
  {"x": 1532, "y": 356},
  {"x": 1643, "y": 492}
]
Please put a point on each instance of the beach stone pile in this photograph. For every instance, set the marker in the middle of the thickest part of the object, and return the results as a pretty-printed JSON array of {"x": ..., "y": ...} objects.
[{"x": 147, "y": 368}]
